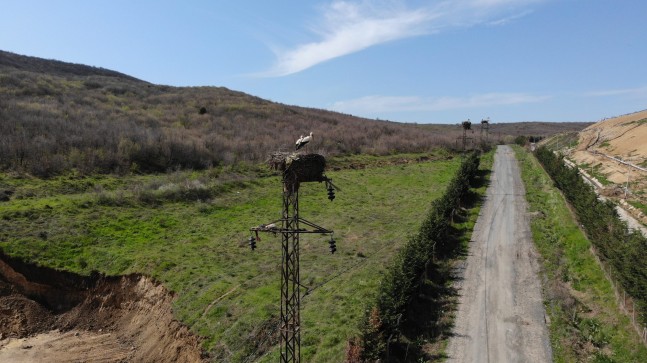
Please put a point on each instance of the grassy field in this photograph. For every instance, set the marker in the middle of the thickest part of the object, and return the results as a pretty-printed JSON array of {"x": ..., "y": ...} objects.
[
  {"x": 585, "y": 321},
  {"x": 189, "y": 230},
  {"x": 595, "y": 172},
  {"x": 638, "y": 205}
]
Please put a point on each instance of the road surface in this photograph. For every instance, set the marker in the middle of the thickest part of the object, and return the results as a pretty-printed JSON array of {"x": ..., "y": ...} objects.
[{"x": 501, "y": 317}]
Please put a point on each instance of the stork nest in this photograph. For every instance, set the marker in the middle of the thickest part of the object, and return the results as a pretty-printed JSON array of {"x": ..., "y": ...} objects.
[{"x": 298, "y": 168}]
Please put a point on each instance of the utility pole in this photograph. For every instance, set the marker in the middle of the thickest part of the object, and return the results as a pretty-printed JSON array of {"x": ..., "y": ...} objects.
[
  {"x": 296, "y": 169},
  {"x": 290, "y": 323},
  {"x": 627, "y": 185},
  {"x": 467, "y": 125},
  {"x": 485, "y": 128}
]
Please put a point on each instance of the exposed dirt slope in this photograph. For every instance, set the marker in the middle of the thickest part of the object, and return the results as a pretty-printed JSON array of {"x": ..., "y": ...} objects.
[
  {"x": 624, "y": 136},
  {"x": 615, "y": 152},
  {"x": 53, "y": 316}
]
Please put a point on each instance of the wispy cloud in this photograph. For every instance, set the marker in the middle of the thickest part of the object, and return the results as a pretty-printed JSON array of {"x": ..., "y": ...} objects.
[
  {"x": 346, "y": 27},
  {"x": 639, "y": 91},
  {"x": 384, "y": 104},
  {"x": 508, "y": 19}
]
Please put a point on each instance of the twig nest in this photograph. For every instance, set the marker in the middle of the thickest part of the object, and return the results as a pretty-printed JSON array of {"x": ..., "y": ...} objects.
[{"x": 298, "y": 168}]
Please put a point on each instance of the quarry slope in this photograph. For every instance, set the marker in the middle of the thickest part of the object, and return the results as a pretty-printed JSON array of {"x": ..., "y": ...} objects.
[
  {"x": 52, "y": 316},
  {"x": 623, "y": 137},
  {"x": 614, "y": 151}
]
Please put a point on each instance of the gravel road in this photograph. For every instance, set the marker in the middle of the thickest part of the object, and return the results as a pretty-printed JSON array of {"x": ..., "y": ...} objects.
[{"x": 501, "y": 317}]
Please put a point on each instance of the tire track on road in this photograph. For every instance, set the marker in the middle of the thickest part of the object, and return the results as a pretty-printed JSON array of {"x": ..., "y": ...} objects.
[{"x": 501, "y": 313}]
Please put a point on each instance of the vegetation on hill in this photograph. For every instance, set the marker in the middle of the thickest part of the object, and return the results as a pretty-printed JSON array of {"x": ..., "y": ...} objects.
[
  {"x": 58, "y": 117},
  {"x": 585, "y": 323},
  {"x": 76, "y": 117},
  {"x": 621, "y": 248}
]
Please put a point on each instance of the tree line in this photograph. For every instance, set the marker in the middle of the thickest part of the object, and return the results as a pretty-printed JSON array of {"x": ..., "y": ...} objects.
[
  {"x": 402, "y": 279},
  {"x": 621, "y": 249}
]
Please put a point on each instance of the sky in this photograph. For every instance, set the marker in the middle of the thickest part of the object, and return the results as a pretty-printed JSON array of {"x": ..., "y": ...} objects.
[{"x": 416, "y": 61}]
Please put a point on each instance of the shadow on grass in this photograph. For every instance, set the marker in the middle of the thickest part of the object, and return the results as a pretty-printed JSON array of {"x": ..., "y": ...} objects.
[{"x": 430, "y": 318}]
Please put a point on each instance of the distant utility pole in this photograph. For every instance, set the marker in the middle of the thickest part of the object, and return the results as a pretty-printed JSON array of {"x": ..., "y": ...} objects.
[
  {"x": 627, "y": 185},
  {"x": 485, "y": 129},
  {"x": 467, "y": 125},
  {"x": 296, "y": 169}
]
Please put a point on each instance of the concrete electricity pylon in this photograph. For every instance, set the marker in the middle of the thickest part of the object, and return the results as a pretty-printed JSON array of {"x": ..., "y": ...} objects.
[{"x": 296, "y": 169}]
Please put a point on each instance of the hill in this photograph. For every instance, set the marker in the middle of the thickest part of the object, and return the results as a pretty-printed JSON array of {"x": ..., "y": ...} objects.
[
  {"x": 53, "y": 67},
  {"x": 613, "y": 151},
  {"x": 621, "y": 136},
  {"x": 613, "y": 146},
  {"x": 60, "y": 116}
]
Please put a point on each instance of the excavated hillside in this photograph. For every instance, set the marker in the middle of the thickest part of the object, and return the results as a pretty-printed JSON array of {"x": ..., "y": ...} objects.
[
  {"x": 624, "y": 137},
  {"x": 614, "y": 151},
  {"x": 53, "y": 316}
]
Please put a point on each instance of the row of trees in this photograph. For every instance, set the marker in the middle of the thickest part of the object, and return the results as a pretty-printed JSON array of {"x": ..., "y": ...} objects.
[
  {"x": 403, "y": 277},
  {"x": 623, "y": 250}
]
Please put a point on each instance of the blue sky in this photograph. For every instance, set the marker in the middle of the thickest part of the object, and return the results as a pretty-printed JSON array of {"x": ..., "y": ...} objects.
[{"x": 409, "y": 61}]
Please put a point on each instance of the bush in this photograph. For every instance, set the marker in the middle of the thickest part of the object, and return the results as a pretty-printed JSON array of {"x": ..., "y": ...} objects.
[
  {"x": 621, "y": 249},
  {"x": 402, "y": 279}
]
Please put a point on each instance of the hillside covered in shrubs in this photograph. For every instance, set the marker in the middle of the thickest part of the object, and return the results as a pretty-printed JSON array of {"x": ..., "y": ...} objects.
[{"x": 56, "y": 117}]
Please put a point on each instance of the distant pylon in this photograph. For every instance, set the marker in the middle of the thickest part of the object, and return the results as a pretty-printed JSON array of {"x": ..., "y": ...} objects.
[
  {"x": 485, "y": 129},
  {"x": 467, "y": 125}
]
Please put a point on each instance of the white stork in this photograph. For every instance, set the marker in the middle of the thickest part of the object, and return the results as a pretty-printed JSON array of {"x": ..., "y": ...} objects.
[
  {"x": 303, "y": 141},
  {"x": 299, "y": 141}
]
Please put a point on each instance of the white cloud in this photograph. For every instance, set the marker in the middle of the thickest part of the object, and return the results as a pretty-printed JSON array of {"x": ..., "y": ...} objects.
[
  {"x": 347, "y": 27},
  {"x": 509, "y": 19},
  {"x": 385, "y": 104}
]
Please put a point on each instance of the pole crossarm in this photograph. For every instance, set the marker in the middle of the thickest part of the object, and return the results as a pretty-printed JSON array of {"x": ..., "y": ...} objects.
[{"x": 272, "y": 227}]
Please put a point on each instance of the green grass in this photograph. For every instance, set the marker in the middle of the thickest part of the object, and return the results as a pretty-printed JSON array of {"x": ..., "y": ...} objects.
[
  {"x": 639, "y": 122},
  {"x": 595, "y": 172},
  {"x": 189, "y": 230},
  {"x": 638, "y": 205},
  {"x": 563, "y": 140},
  {"x": 426, "y": 326},
  {"x": 586, "y": 323}
]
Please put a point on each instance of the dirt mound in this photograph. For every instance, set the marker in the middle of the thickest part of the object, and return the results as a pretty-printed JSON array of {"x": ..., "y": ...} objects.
[
  {"x": 614, "y": 152},
  {"x": 54, "y": 316},
  {"x": 613, "y": 145},
  {"x": 621, "y": 136}
]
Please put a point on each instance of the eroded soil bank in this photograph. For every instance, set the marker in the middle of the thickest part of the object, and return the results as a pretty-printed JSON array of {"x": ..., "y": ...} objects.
[{"x": 53, "y": 316}]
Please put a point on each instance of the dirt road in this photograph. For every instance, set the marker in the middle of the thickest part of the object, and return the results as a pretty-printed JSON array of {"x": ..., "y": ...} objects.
[{"x": 501, "y": 317}]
